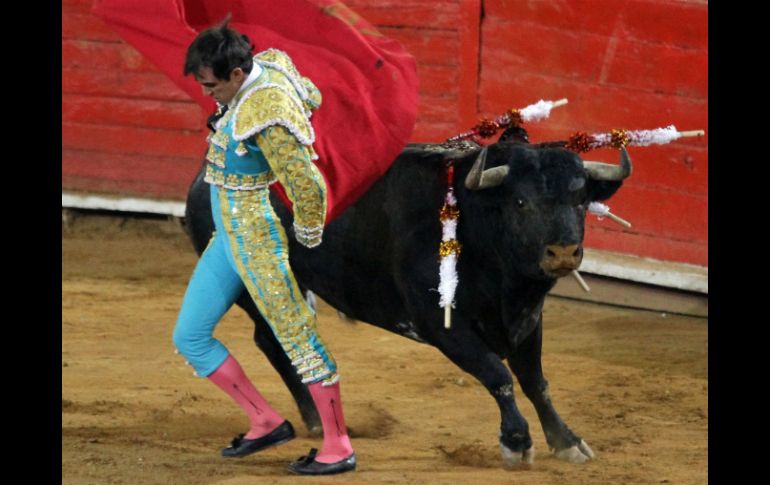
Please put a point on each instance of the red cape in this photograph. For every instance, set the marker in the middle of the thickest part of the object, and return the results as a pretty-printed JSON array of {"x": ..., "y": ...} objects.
[{"x": 368, "y": 82}]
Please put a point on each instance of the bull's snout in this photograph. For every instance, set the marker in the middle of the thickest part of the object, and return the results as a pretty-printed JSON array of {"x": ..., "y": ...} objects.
[{"x": 560, "y": 260}]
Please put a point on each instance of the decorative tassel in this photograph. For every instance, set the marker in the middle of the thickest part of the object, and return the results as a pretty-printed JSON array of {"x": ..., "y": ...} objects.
[
  {"x": 583, "y": 142},
  {"x": 540, "y": 110},
  {"x": 449, "y": 250},
  {"x": 513, "y": 117}
]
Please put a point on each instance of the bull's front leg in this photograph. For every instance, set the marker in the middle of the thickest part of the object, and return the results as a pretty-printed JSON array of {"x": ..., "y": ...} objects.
[
  {"x": 466, "y": 349},
  {"x": 526, "y": 364}
]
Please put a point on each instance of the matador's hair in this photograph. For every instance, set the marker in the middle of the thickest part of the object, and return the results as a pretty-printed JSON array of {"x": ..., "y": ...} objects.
[{"x": 220, "y": 48}]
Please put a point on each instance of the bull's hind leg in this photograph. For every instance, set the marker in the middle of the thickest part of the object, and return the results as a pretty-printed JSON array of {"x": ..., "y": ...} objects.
[
  {"x": 525, "y": 363},
  {"x": 268, "y": 344},
  {"x": 471, "y": 354}
]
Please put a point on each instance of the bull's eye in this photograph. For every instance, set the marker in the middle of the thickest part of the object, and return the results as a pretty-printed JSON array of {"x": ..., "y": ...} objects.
[{"x": 519, "y": 203}]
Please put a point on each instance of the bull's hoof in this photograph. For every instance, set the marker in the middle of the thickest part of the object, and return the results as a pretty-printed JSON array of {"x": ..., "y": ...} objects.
[
  {"x": 580, "y": 453},
  {"x": 517, "y": 459}
]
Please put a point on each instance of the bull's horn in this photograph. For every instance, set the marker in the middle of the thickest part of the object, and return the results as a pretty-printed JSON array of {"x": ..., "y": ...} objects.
[
  {"x": 474, "y": 176},
  {"x": 607, "y": 171},
  {"x": 478, "y": 178},
  {"x": 493, "y": 177}
]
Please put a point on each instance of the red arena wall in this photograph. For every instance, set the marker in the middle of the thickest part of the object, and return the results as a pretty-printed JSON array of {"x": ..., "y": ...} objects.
[{"x": 633, "y": 64}]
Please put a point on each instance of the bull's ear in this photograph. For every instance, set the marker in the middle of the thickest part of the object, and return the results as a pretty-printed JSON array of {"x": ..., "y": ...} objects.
[{"x": 597, "y": 190}]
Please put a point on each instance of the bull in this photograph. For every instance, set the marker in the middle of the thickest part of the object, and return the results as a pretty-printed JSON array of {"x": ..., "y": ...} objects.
[{"x": 523, "y": 209}]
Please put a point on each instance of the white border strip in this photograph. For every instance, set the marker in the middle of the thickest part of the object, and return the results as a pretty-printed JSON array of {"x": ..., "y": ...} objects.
[
  {"x": 123, "y": 204},
  {"x": 681, "y": 276}
]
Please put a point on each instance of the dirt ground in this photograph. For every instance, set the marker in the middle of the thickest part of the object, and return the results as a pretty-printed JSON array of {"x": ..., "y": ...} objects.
[{"x": 633, "y": 384}]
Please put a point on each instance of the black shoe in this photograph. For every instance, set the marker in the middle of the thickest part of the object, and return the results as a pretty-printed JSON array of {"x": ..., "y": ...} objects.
[
  {"x": 242, "y": 447},
  {"x": 307, "y": 465}
]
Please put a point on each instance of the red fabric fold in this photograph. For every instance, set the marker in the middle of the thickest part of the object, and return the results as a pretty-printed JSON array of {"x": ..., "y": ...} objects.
[{"x": 368, "y": 82}]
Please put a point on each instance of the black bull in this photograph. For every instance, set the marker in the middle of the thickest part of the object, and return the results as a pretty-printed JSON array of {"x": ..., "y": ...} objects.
[{"x": 521, "y": 227}]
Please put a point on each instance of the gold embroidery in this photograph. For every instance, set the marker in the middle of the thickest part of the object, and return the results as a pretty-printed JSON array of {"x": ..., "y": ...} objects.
[
  {"x": 237, "y": 181},
  {"x": 216, "y": 156},
  {"x": 260, "y": 250},
  {"x": 270, "y": 106},
  {"x": 304, "y": 184},
  {"x": 287, "y": 95},
  {"x": 218, "y": 142},
  {"x": 220, "y": 139},
  {"x": 314, "y": 95},
  {"x": 241, "y": 150},
  {"x": 281, "y": 59}
]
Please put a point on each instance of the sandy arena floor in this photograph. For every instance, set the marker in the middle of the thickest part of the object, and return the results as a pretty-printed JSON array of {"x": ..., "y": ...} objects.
[{"x": 633, "y": 384}]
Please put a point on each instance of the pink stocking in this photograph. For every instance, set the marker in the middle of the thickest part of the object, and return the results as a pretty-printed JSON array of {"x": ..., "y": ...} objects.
[
  {"x": 336, "y": 444},
  {"x": 230, "y": 378}
]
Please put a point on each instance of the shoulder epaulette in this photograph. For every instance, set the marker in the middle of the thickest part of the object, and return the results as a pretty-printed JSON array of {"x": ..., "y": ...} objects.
[{"x": 269, "y": 104}]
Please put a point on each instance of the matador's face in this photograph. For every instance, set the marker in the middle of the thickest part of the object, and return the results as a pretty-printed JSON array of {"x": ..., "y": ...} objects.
[{"x": 221, "y": 90}]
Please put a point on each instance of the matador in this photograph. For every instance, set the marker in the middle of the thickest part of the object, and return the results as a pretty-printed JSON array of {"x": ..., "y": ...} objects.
[{"x": 264, "y": 135}]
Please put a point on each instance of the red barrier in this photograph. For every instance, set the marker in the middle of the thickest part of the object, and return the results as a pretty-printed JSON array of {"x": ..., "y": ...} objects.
[{"x": 631, "y": 64}]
